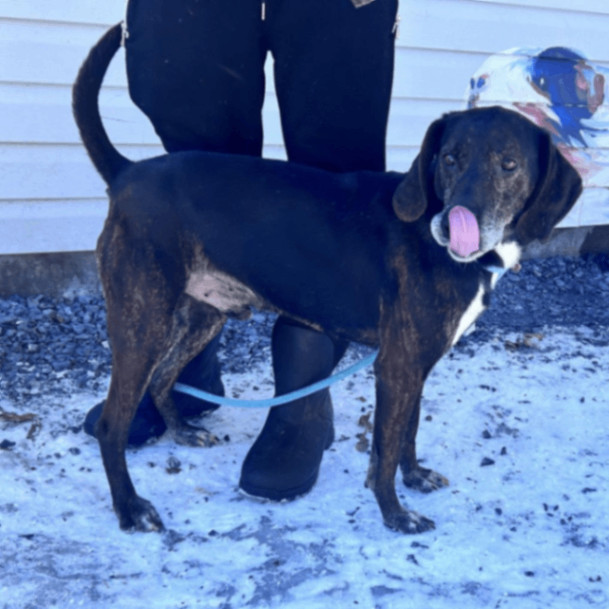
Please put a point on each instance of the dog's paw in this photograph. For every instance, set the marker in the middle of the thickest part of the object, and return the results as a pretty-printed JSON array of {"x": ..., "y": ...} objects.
[
  {"x": 189, "y": 435},
  {"x": 424, "y": 480},
  {"x": 140, "y": 515},
  {"x": 407, "y": 521}
]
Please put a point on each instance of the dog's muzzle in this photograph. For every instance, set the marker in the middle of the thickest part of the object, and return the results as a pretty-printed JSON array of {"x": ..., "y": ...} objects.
[
  {"x": 464, "y": 233},
  {"x": 459, "y": 231}
]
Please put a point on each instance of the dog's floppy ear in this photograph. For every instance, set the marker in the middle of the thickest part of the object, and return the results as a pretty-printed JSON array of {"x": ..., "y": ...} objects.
[
  {"x": 558, "y": 188},
  {"x": 416, "y": 192}
]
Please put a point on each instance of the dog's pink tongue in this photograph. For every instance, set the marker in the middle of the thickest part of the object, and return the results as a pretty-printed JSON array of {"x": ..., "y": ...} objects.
[{"x": 464, "y": 231}]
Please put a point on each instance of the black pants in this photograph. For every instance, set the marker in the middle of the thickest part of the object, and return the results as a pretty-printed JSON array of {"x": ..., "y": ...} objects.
[{"x": 195, "y": 68}]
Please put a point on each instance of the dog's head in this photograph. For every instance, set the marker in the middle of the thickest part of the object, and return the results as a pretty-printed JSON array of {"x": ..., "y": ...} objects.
[{"x": 486, "y": 178}]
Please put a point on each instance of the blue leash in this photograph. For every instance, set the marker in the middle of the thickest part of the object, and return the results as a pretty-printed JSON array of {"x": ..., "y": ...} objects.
[{"x": 281, "y": 399}]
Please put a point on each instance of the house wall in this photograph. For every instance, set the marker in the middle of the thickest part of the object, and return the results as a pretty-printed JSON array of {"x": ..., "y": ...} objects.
[{"x": 52, "y": 201}]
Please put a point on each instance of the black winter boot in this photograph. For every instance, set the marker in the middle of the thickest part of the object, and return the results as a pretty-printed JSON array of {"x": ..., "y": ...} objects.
[
  {"x": 202, "y": 372},
  {"x": 283, "y": 462}
]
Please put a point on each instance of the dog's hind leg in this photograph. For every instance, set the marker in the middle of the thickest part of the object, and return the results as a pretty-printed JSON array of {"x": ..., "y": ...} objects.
[
  {"x": 126, "y": 389},
  {"x": 194, "y": 324},
  {"x": 150, "y": 356},
  {"x": 141, "y": 299}
]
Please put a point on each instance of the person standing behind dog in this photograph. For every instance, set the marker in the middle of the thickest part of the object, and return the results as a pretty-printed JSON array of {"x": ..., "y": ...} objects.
[{"x": 196, "y": 69}]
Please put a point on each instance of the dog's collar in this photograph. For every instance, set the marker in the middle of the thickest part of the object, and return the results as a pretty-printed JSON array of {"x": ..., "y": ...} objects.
[
  {"x": 495, "y": 270},
  {"x": 493, "y": 263}
]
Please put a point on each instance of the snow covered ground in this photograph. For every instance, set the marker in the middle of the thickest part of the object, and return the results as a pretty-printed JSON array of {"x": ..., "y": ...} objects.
[{"x": 518, "y": 422}]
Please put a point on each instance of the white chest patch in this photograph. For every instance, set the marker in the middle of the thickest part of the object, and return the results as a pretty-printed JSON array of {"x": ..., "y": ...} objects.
[
  {"x": 471, "y": 314},
  {"x": 510, "y": 253}
]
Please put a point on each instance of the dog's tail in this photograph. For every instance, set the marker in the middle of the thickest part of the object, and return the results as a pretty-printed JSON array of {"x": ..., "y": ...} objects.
[{"x": 106, "y": 158}]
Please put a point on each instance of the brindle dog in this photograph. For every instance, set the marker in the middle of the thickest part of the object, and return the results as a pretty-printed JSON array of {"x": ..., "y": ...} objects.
[{"x": 404, "y": 262}]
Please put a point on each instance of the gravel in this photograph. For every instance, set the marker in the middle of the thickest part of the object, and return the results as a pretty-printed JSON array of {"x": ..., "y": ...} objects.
[
  {"x": 46, "y": 342},
  {"x": 552, "y": 292}
]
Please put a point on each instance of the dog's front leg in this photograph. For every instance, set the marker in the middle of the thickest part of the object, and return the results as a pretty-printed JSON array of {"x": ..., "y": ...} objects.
[
  {"x": 399, "y": 382},
  {"x": 414, "y": 476}
]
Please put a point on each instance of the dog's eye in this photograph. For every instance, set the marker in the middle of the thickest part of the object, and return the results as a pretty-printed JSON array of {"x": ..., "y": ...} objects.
[
  {"x": 449, "y": 160},
  {"x": 509, "y": 164}
]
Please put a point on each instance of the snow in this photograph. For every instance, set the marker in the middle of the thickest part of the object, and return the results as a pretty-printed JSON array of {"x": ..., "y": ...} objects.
[{"x": 518, "y": 424}]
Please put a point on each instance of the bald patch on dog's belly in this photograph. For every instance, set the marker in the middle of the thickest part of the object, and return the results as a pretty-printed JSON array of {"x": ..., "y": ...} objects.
[{"x": 222, "y": 291}]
